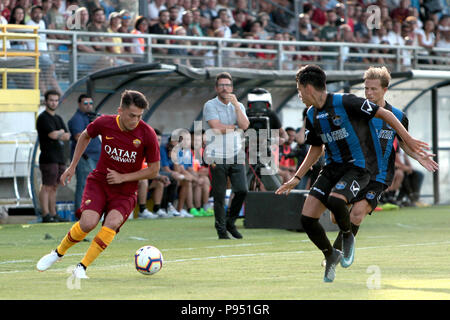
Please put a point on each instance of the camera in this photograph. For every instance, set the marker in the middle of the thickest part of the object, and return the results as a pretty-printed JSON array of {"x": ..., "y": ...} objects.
[
  {"x": 92, "y": 115},
  {"x": 259, "y": 103}
]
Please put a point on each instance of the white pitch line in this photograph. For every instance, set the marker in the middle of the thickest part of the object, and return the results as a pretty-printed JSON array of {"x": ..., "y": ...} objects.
[{"x": 247, "y": 255}]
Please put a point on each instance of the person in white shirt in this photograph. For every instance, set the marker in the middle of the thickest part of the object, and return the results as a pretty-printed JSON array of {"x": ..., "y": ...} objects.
[
  {"x": 47, "y": 79},
  {"x": 154, "y": 7}
]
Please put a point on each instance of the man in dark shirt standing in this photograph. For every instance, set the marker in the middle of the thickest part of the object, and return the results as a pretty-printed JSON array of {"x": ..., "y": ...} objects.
[{"x": 52, "y": 133}]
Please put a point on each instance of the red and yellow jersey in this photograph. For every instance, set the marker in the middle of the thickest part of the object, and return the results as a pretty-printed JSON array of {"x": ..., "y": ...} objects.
[{"x": 123, "y": 151}]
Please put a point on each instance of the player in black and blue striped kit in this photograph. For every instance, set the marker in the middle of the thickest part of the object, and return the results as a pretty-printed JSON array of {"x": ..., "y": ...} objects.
[
  {"x": 376, "y": 82},
  {"x": 340, "y": 123}
]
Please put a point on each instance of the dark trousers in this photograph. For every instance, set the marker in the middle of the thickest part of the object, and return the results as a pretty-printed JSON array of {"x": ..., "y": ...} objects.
[{"x": 238, "y": 179}]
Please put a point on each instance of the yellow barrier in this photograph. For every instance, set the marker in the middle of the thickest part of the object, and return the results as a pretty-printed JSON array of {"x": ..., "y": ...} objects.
[{"x": 4, "y": 35}]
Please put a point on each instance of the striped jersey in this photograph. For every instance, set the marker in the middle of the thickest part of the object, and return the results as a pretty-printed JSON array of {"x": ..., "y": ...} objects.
[
  {"x": 342, "y": 125},
  {"x": 383, "y": 136}
]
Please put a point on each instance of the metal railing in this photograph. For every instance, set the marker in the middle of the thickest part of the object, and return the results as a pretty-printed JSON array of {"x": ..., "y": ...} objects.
[{"x": 72, "y": 63}]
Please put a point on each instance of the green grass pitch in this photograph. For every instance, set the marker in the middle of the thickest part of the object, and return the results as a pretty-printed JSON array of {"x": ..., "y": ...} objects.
[{"x": 402, "y": 254}]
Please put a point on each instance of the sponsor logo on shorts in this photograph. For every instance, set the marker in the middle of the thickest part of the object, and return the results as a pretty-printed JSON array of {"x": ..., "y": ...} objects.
[
  {"x": 370, "y": 195},
  {"x": 341, "y": 185},
  {"x": 354, "y": 188},
  {"x": 318, "y": 190},
  {"x": 109, "y": 138}
]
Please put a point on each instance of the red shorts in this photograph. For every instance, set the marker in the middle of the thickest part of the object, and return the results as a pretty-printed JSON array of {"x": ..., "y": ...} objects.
[{"x": 102, "y": 197}]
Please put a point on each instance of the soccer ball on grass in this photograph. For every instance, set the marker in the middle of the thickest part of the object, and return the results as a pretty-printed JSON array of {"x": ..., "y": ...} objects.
[{"x": 148, "y": 260}]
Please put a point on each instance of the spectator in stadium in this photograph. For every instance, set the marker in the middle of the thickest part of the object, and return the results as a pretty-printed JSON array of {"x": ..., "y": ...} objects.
[
  {"x": 361, "y": 30},
  {"x": 334, "y": 188},
  {"x": 379, "y": 35},
  {"x": 170, "y": 185},
  {"x": 319, "y": 14},
  {"x": 46, "y": 6},
  {"x": 411, "y": 31},
  {"x": 280, "y": 16},
  {"x": 84, "y": 115},
  {"x": 401, "y": 12},
  {"x": 161, "y": 28},
  {"x": 108, "y": 193},
  {"x": 346, "y": 35},
  {"x": 56, "y": 19},
  {"x": 98, "y": 25},
  {"x": 225, "y": 4},
  {"x": 240, "y": 24},
  {"x": 156, "y": 187},
  {"x": 141, "y": 27},
  {"x": 223, "y": 115},
  {"x": 443, "y": 41},
  {"x": 196, "y": 25},
  {"x": 5, "y": 11},
  {"x": 427, "y": 39},
  {"x": 154, "y": 7},
  {"x": 183, "y": 165},
  {"x": 329, "y": 33},
  {"x": 444, "y": 23},
  {"x": 125, "y": 27},
  {"x": 47, "y": 76},
  {"x": 241, "y": 5},
  {"x": 409, "y": 192},
  {"x": 216, "y": 24},
  {"x": 287, "y": 165},
  {"x": 174, "y": 19},
  {"x": 168, "y": 168},
  {"x": 114, "y": 27},
  {"x": 201, "y": 170},
  {"x": 18, "y": 17},
  {"x": 91, "y": 62},
  {"x": 181, "y": 52},
  {"x": 395, "y": 35},
  {"x": 226, "y": 22},
  {"x": 186, "y": 22},
  {"x": 52, "y": 134},
  {"x": 210, "y": 11}
]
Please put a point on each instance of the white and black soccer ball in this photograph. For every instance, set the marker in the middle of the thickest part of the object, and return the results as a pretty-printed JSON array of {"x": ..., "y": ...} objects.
[{"x": 148, "y": 260}]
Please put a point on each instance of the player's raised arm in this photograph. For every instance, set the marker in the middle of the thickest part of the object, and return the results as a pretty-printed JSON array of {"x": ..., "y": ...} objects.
[
  {"x": 311, "y": 158},
  {"x": 415, "y": 145},
  {"x": 81, "y": 146},
  {"x": 425, "y": 160}
]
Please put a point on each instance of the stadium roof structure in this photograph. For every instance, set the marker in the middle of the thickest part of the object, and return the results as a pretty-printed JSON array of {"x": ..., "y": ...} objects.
[{"x": 177, "y": 93}]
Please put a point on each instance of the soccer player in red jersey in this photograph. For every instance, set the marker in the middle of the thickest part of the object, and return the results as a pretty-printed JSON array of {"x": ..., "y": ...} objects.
[{"x": 111, "y": 189}]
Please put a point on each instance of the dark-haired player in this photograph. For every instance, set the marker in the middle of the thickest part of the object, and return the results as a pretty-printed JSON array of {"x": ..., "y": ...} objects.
[
  {"x": 112, "y": 187},
  {"x": 340, "y": 123}
]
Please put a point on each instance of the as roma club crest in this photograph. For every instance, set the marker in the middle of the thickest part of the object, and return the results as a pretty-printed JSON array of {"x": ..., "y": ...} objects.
[{"x": 137, "y": 142}]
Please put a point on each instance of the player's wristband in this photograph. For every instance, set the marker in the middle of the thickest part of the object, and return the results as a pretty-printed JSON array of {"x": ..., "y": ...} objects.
[{"x": 297, "y": 177}]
